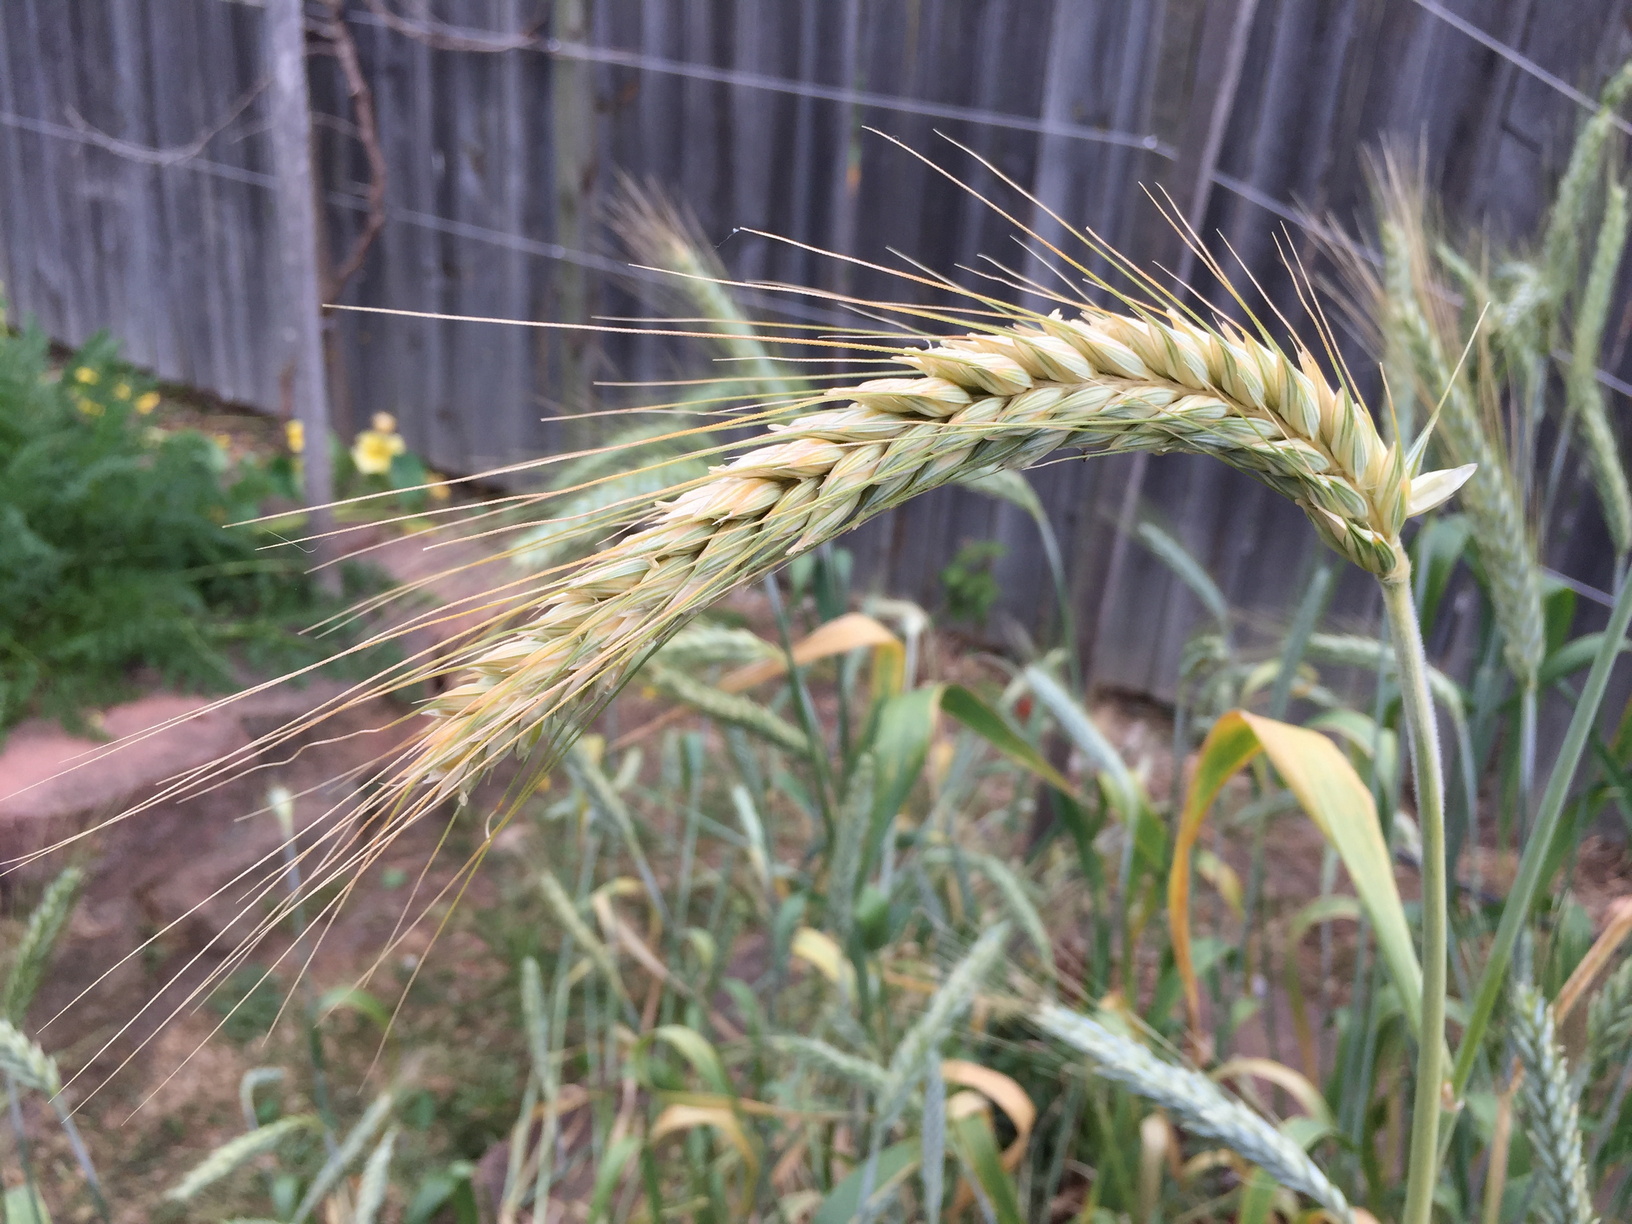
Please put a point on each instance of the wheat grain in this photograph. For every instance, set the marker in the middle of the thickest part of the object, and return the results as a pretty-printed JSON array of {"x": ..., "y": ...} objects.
[
  {"x": 1552, "y": 1116},
  {"x": 1198, "y": 1103},
  {"x": 1004, "y": 397}
]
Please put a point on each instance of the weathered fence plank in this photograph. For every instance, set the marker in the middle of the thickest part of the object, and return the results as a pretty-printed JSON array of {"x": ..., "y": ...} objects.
[{"x": 753, "y": 114}]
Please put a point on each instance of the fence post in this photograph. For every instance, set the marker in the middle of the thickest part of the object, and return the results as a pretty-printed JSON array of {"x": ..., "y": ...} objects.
[{"x": 290, "y": 122}]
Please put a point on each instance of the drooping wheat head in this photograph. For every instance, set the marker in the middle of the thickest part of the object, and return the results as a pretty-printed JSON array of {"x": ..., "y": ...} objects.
[{"x": 1001, "y": 397}]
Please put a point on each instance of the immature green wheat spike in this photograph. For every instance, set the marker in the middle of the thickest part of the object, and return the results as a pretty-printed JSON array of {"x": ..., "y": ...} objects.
[
  {"x": 1585, "y": 397},
  {"x": 1005, "y": 397},
  {"x": 1552, "y": 1117},
  {"x": 34, "y": 948},
  {"x": 1416, "y": 323},
  {"x": 344, "y": 1156},
  {"x": 1196, "y": 1103},
  {"x": 860, "y": 1072},
  {"x": 733, "y": 709},
  {"x": 376, "y": 1179},
  {"x": 29, "y": 1066},
  {"x": 714, "y": 646},
  {"x": 235, "y": 1153},
  {"x": 924, "y": 1038},
  {"x": 1609, "y": 1017},
  {"x": 1577, "y": 190},
  {"x": 849, "y": 842}
]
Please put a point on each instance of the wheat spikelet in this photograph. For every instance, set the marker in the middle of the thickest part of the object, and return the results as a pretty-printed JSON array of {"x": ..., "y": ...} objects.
[
  {"x": 237, "y": 1152},
  {"x": 1552, "y": 1116},
  {"x": 1585, "y": 397},
  {"x": 1004, "y": 397},
  {"x": 1198, "y": 1103},
  {"x": 28, "y": 1065},
  {"x": 39, "y": 937}
]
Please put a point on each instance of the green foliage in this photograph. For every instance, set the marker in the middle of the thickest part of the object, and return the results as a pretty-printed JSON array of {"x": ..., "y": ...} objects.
[
  {"x": 968, "y": 584},
  {"x": 115, "y": 552}
]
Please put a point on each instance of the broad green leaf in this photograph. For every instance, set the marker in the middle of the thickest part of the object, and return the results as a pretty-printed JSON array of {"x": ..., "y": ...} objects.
[
  {"x": 610, "y": 1172},
  {"x": 1333, "y": 796},
  {"x": 23, "y": 1205},
  {"x": 1120, "y": 786},
  {"x": 976, "y": 1146},
  {"x": 690, "y": 1045},
  {"x": 351, "y": 998},
  {"x": 906, "y": 726},
  {"x": 894, "y": 1163}
]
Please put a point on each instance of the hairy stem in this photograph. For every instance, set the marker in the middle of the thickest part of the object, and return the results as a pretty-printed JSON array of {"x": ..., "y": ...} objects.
[{"x": 1423, "y": 1170}]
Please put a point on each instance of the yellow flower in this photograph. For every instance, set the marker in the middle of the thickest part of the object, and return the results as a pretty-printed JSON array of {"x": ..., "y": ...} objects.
[
  {"x": 383, "y": 422},
  {"x": 87, "y": 376},
  {"x": 374, "y": 450},
  {"x": 224, "y": 441},
  {"x": 89, "y": 407},
  {"x": 294, "y": 433},
  {"x": 122, "y": 391},
  {"x": 439, "y": 491},
  {"x": 146, "y": 403}
]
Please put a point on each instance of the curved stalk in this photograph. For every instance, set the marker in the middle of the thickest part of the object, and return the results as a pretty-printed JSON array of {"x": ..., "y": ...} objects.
[{"x": 1423, "y": 1170}]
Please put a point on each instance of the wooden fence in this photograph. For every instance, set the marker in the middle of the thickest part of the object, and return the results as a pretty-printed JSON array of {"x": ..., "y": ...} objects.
[{"x": 135, "y": 196}]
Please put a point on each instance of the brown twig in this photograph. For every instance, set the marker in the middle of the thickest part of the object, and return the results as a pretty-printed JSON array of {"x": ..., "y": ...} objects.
[
  {"x": 444, "y": 38},
  {"x": 171, "y": 155},
  {"x": 362, "y": 105}
]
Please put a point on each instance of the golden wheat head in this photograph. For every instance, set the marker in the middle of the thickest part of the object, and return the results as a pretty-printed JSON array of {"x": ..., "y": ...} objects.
[{"x": 1002, "y": 397}]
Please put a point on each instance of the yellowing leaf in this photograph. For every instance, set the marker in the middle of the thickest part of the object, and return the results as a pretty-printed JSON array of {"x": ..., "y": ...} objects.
[
  {"x": 822, "y": 952},
  {"x": 1333, "y": 796}
]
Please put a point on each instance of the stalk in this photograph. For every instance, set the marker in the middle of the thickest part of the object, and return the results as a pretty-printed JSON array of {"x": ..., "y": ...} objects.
[{"x": 1423, "y": 1170}]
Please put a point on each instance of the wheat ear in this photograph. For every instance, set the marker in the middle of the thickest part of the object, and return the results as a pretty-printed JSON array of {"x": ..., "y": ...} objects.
[
  {"x": 27, "y": 1065},
  {"x": 1198, "y": 1104},
  {"x": 39, "y": 937},
  {"x": 1585, "y": 397},
  {"x": 1577, "y": 191},
  {"x": 1005, "y": 397},
  {"x": 1412, "y": 311},
  {"x": 1552, "y": 1116}
]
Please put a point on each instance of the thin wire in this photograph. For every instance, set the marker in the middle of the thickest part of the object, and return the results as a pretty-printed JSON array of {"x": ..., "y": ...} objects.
[
  {"x": 618, "y": 57},
  {"x": 1518, "y": 60}
]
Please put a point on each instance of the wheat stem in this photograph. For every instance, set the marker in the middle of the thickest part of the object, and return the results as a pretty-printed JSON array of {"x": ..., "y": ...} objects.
[{"x": 1423, "y": 1170}]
